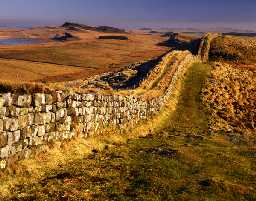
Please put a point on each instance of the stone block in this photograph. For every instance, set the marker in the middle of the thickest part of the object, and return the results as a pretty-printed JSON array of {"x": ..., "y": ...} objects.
[
  {"x": 89, "y": 97},
  {"x": 11, "y": 124},
  {"x": 12, "y": 111},
  {"x": 53, "y": 117},
  {"x": 48, "y": 99},
  {"x": 1, "y": 125},
  {"x": 39, "y": 99},
  {"x": 3, "y": 139},
  {"x": 61, "y": 104},
  {"x": 3, "y": 111},
  {"x": 29, "y": 132},
  {"x": 77, "y": 97},
  {"x": 42, "y": 118},
  {"x": 22, "y": 111},
  {"x": 38, "y": 109},
  {"x": 50, "y": 128},
  {"x": 16, "y": 136},
  {"x": 41, "y": 131},
  {"x": 3, "y": 164},
  {"x": 7, "y": 99},
  {"x": 1, "y": 102},
  {"x": 23, "y": 121},
  {"x": 23, "y": 100},
  {"x": 4, "y": 152},
  {"x": 46, "y": 108},
  {"x": 10, "y": 138},
  {"x": 63, "y": 127},
  {"x": 38, "y": 140},
  {"x": 61, "y": 114}
]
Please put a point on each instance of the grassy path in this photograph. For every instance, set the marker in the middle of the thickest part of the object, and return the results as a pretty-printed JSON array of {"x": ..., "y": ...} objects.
[{"x": 180, "y": 161}]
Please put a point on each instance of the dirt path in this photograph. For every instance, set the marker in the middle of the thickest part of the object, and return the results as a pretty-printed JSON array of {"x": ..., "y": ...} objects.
[{"x": 180, "y": 160}]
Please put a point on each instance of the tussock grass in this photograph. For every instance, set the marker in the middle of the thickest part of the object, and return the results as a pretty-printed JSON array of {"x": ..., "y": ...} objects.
[
  {"x": 230, "y": 98},
  {"x": 234, "y": 48}
]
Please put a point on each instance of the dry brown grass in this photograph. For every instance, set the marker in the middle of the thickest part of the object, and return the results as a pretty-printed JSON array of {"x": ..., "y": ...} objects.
[
  {"x": 230, "y": 97},
  {"x": 55, "y": 61},
  {"x": 234, "y": 48}
]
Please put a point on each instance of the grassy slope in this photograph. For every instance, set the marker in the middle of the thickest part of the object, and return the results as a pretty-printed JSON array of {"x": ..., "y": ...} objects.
[
  {"x": 234, "y": 49},
  {"x": 179, "y": 160}
]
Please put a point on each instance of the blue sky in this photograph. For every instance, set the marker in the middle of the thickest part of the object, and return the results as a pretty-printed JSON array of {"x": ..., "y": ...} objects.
[{"x": 130, "y": 12}]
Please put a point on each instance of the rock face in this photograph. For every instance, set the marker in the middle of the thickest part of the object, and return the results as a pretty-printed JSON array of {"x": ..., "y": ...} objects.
[
  {"x": 65, "y": 37},
  {"x": 31, "y": 120}
]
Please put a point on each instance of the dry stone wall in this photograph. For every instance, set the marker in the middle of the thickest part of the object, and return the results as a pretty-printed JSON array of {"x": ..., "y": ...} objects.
[
  {"x": 30, "y": 120},
  {"x": 205, "y": 46}
]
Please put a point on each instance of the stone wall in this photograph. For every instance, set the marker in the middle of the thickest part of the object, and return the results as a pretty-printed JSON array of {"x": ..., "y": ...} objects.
[
  {"x": 205, "y": 46},
  {"x": 30, "y": 120}
]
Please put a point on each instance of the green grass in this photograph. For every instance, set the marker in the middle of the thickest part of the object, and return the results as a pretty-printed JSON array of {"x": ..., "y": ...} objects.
[{"x": 179, "y": 160}]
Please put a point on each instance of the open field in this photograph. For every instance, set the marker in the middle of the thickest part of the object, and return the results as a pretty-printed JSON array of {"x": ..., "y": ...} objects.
[
  {"x": 61, "y": 61},
  {"x": 178, "y": 159}
]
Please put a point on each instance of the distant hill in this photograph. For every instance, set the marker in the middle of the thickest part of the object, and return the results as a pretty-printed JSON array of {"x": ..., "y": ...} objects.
[
  {"x": 79, "y": 27},
  {"x": 249, "y": 34}
]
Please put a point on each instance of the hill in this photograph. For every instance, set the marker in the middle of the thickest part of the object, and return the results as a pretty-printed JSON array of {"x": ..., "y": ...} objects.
[{"x": 79, "y": 27}]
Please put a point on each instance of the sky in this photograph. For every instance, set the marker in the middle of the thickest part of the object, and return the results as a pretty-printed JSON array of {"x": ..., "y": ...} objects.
[{"x": 132, "y": 13}]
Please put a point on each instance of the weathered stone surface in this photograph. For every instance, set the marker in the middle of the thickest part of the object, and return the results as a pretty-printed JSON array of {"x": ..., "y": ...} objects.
[
  {"x": 61, "y": 114},
  {"x": 42, "y": 118},
  {"x": 24, "y": 101},
  {"x": 89, "y": 97},
  {"x": 38, "y": 140},
  {"x": 48, "y": 99},
  {"x": 3, "y": 139},
  {"x": 50, "y": 128},
  {"x": 12, "y": 111},
  {"x": 10, "y": 138},
  {"x": 22, "y": 111},
  {"x": 7, "y": 99},
  {"x": 39, "y": 99},
  {"x": 29, "y": 132},
  {"x": 3, "y": 111},
  {"x": 24, "y": 121},
  {"x": 41, "y": 131},
  {"x": 4, "y": 152},
  {"x": 16, "y": 136},
  {"x": 1, "y": 125},
  {"x": 1, "y": 102},
  {"x": 3, "y": 164},
  {"x": 11, "y": 124},
  {"x": 47, "y": 108}
]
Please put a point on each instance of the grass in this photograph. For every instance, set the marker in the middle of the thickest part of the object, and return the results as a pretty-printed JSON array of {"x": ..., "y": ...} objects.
[
  {"x": 234, "y": 49},
  {"x": 232, "y": 106},
  {"x": 177, "y": 159}
]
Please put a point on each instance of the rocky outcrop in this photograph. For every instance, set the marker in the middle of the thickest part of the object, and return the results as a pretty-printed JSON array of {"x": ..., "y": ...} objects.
[{"x": 65, "y": 37}]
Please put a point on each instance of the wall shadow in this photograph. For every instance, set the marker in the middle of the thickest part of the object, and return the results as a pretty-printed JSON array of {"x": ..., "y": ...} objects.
[{"x": 177, "y": 44}]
